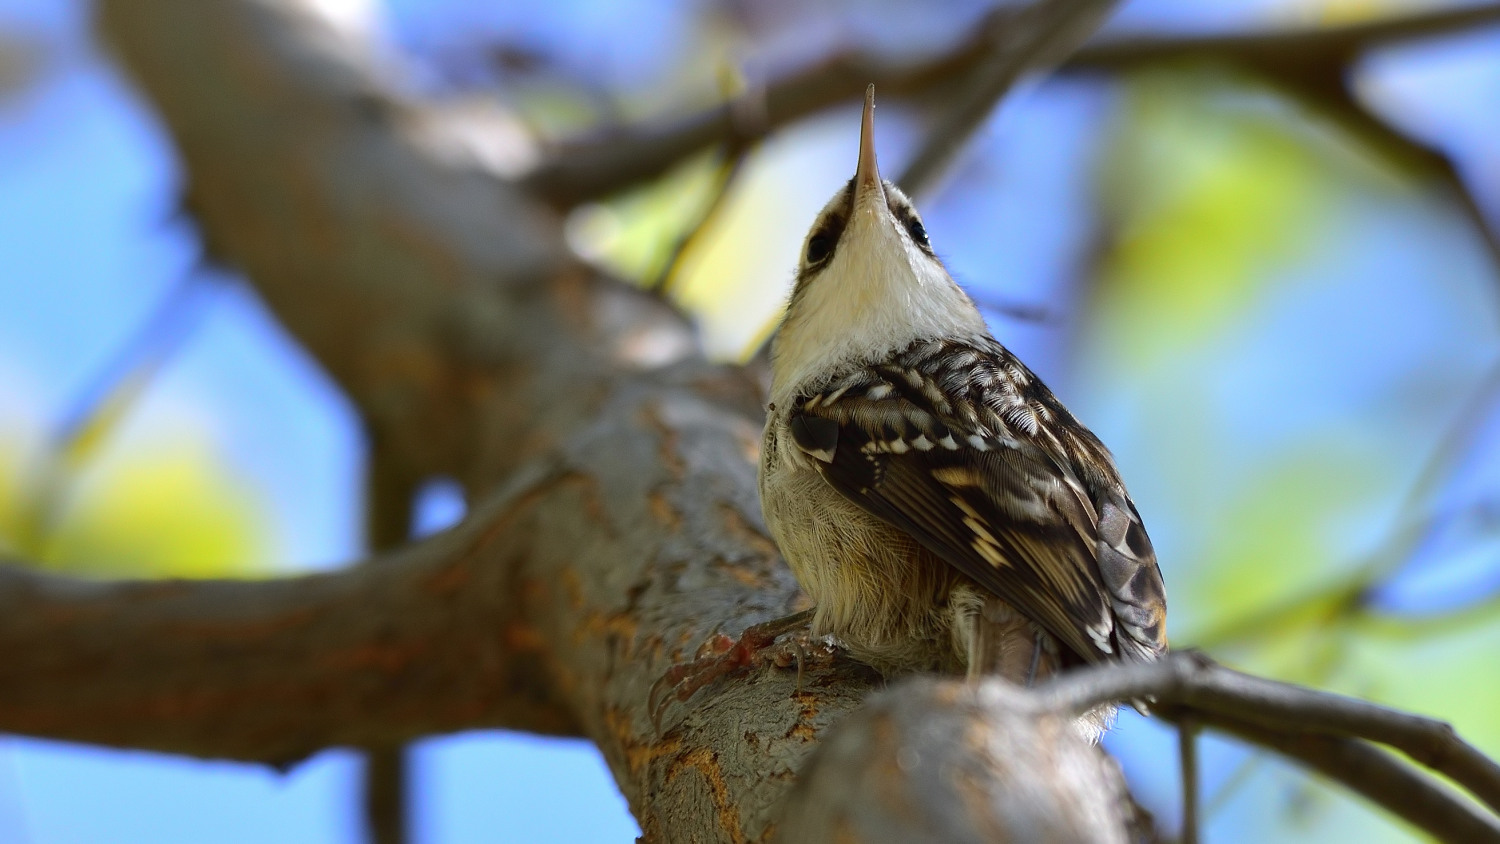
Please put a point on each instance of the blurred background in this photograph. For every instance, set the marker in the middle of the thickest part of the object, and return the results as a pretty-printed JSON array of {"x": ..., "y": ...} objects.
[{"x": 1276, "y": 299}]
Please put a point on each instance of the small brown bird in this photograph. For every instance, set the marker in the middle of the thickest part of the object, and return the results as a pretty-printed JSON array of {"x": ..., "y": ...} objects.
[{"x": 934, "y": 499}]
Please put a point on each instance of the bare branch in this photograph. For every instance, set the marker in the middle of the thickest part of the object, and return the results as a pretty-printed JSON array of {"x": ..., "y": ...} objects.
[
  {"x": 589, "y": 168},
  {"x": 1328, "y": 46},
  {"x": 618, "y": 158},
  {"x": 390, "y": 503},
  {"x": 273, "y": 670},
  {"x": 1383, "y": 780},
  {"x": 1035, "y": 39},
  {"x": 725, "y": 177},
  {"x": 386, "y": 796},
  {"x": 1313, "y": 66},
  {"x": 1191, "y": 681},
  {"x": 1187, "y": 758}
]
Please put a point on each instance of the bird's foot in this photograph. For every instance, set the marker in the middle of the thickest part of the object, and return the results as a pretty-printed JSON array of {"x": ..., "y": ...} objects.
[{"x": 722, "y": 656}]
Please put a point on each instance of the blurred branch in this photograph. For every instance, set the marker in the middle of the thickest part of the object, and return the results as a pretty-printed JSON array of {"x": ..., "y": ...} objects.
[
  {"x": 619, "y": 157},
  {"x": 1034, "y": 39},
  {"x": 1313, "y": 52},
  {"x": 386, "y": 795},
  {"x": 1313, "y": 67},
  {"x": 1446, "y": 623},
  {"x": 1368, "y": 771},
  {"x": 731, "y": 165},
  {"x": 108, "y": 397},
  {"x": 1314, "y": 61},
  {"x": 273, "y": 670}
]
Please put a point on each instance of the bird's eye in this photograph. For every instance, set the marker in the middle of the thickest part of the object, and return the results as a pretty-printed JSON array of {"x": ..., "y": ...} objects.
[
  {"x": 818, "y": 247},
  {"x": 917, "y": 232}
]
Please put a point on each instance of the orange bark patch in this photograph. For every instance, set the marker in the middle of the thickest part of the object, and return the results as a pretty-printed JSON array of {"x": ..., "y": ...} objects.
[
  {"x": 741, "y": 529},
  {"x": 706, "y": 763},
  {"x": 523, "y": 638},
  {"x": 753, "y": 576},
  {"x": 639, "y": 754},
  {"x": 572, "y": 588},
  {"x": 603, "y": 625},
  {"x": 663, "y": 512}
]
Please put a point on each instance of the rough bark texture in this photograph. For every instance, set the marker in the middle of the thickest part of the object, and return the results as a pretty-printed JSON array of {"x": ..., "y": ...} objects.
[
  {"x": 615, "y": 524},
  {"x": 938, "y": 761}
]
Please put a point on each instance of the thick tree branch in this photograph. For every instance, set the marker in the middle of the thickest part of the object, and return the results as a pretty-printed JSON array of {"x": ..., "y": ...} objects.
[
  {"x": 274, "y": 670},
  {"x": 874, "y": 778}
]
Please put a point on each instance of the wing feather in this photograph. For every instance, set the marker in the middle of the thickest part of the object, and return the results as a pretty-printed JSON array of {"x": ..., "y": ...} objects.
[{"x": 963, "y": 449}]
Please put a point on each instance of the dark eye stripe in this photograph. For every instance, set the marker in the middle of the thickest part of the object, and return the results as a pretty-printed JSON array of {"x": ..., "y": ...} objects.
[
  {"x": 819, "y": 246},
  {"x": 824, "y": 241},
  {"x": 909, "y": 220},
  {"x": 918, "y": 233}
]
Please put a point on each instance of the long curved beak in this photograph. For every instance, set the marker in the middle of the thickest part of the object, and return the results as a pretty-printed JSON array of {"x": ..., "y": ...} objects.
[{"x": 867, "y": 181}]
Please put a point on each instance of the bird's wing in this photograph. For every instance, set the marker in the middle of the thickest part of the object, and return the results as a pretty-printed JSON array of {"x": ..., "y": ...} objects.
[{"x": 963, "y": 448}]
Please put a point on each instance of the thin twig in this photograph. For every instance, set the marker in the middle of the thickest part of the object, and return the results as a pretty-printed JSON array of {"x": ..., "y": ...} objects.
[
  {"x": 1018, "y": 311},
  {"x": 1385, "y": 780},
  {"x": 386, "y": 795},
  {"x": 1187, "y": 756},
  {"x": 731, "y": 165},
  {"x": 126, "y": 374},
  {"x": 1191, "y": 680},
  {"x": 390, "y": 501},
  {"x": 1331, "y": 44},
  {"x": 1238, "y": 777},
  {"x": 1037, "y": 38}
]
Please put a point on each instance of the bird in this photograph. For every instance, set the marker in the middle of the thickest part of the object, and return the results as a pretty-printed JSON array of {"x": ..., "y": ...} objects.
[{"x": 936, "y": 502}]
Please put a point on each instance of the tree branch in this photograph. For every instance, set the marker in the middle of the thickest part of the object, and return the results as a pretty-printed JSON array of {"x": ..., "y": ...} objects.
[
  {"x": 617, "y": 158},
  {"x": 274, "y": 670},
  {"x": 1313, "y": 66},
  {"x": 390, "y": 498},
  {"x": 1012, "y": 772},
  {"x": 1316, "y": 728},
  {"x": 1037, "y": 37},
  {"x": 1377, "y": 776}
]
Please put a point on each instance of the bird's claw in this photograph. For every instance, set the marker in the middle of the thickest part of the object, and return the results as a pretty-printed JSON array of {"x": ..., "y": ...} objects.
[{"x": 721, "y": 656}]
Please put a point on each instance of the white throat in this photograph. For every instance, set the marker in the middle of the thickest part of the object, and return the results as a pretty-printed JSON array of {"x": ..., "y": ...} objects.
[{"x": 878, "y": 294}]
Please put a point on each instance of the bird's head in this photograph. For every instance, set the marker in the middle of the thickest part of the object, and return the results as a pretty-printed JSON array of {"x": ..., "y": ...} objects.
[{"x": 868, "y": 283}]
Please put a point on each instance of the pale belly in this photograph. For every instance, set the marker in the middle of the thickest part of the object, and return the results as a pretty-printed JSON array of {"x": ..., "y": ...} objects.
[{"x": 887, "y": 599}]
